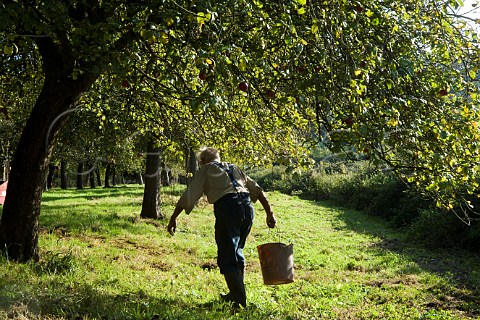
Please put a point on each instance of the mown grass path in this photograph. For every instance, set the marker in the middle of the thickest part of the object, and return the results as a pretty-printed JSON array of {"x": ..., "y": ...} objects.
[{"x": 101, "y": 261}]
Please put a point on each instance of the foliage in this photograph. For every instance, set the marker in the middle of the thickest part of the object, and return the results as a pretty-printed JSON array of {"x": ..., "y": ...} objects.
[
  {"x": 373, "y": 76},
  {"x": 20, "y": 82},
  {"x": 99, "y": 260},
  {"x": 434, "y": 228},
  {"x": 376, "y": 193},
  {"x": 357, "y": 185}
]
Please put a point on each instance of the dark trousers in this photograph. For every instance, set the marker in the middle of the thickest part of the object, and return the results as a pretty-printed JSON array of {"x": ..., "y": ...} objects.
[{"x": 233, "y": 222}]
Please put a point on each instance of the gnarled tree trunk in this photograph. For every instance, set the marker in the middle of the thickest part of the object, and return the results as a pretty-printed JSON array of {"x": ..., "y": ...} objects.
[{"x": 60, "y": 92}]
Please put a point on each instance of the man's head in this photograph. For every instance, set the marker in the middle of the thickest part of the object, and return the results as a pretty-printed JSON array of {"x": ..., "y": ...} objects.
[{"x": 208, "y": 155}]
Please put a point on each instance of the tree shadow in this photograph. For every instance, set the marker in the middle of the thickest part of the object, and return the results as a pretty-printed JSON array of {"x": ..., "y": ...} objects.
[
  {"x": 101, "y": 192},
  {"x": 63, "y": 218},
  {"x": 459, "y": 268},
  {"x": 63, "y": 224},
  {"x": 91, "y": 193},
  {"x": 83, "y": 301}
]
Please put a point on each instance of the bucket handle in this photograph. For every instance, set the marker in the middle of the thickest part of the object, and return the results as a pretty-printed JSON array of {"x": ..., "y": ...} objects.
[{"x": 276, "y": 234}]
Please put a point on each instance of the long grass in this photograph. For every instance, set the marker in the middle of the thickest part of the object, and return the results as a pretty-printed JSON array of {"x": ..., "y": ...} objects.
[{"x": 99, "y": 260}]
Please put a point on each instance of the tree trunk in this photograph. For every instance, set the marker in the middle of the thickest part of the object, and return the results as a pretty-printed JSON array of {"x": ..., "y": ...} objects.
[
  {"x": 139, "y": 178},
  {"x": 107, "y": 175},
  {"x": 80, "y": 175},
  {"x": 97, "y": 173},
  {"x": 21, "y": 211},
  {"x": 114, "y": 175},
  {"x": 63, "y": 174},
  {"x": 51, "y": 172},
  {"x": 192, "y": 165},
  {"x": 91, "y": 177},
  {"x": 165, "y": 175},
  {"x": 151, "y": 194},
  {"x": 6, "y": 170}
]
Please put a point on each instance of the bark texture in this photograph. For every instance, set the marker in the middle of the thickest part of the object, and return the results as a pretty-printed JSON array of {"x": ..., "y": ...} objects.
[{"x": 21, "y": 211}]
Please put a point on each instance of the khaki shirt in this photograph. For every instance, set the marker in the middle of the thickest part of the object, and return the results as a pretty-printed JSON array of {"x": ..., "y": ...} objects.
[{"x": 214, "y": 182}]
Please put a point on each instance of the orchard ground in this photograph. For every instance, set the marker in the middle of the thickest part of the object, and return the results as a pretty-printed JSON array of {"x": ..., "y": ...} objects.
[{"x": 99, "y": 260}]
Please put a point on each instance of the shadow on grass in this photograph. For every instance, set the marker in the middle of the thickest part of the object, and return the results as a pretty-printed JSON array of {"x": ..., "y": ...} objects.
[
  {"x": 100, "y": 192},
  {"x": 65, "y": 221},
  {"x": 458, "y": 268},
  {"x": 92, "y": 193},
  {"x": 70, "y": 298},
  {"x": 83, "y": 301},
  {"x": 98, "y": 216}
]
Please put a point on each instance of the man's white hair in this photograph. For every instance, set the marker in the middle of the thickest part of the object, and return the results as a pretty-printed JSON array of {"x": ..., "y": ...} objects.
[{"x": 207, "y": 155}]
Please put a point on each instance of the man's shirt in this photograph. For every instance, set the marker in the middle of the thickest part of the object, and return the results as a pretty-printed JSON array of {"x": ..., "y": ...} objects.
[{"x": 214, "y": 182}]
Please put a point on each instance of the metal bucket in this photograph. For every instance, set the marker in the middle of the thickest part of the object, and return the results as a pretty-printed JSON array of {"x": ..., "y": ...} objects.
[{"x": 276, "y": 260}]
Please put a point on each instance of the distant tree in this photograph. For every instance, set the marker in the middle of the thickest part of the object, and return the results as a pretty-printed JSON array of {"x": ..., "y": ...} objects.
[{"x": 151, "y": 195}]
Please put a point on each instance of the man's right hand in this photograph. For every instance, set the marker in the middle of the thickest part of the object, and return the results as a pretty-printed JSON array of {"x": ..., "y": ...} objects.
[
  {"x": 172, "y": 226},
  {"x": 271, "y": 221}
]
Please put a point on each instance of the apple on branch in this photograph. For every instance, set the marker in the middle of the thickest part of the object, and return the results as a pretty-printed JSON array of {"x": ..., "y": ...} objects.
[
  {"x": 243, "y": 86},
  {"x": 442, "y": 93},
  {"x": 348, "y": 121},
  {"x": 358, "y": 8},
  {"x": 125, "y": 83}
]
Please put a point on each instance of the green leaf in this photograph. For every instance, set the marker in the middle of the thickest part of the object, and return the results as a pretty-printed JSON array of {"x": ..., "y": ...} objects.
[
  {"x": 472, "y": 73},
  {"x": 242, "y": 65},
  {"x": 301, "y": 10},
  {"x": 8, "y": 50}
]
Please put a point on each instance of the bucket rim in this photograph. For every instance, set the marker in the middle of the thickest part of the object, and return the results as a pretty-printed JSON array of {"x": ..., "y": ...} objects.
[{"x": 275, "y": 243}]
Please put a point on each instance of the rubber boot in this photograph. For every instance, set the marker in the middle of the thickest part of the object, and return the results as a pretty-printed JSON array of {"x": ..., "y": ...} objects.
[
  {"x": 236, "y": 286},
  {"x": 229, "y": 296}
]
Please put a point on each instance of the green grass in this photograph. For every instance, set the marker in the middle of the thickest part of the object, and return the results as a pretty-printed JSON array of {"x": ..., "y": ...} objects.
[{"x": 99, "y": 260}]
